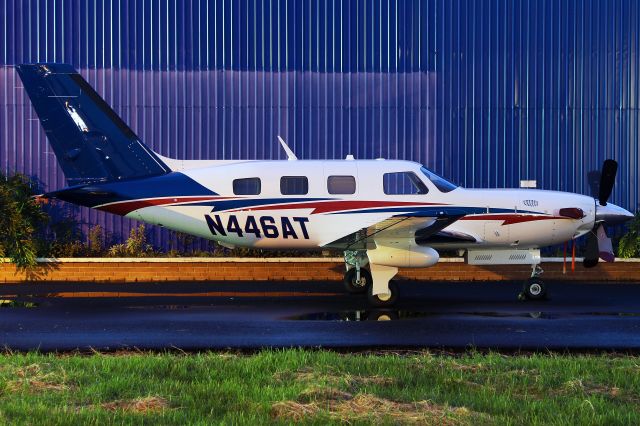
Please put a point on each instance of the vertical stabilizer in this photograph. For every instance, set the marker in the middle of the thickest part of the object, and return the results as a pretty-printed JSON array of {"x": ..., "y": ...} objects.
[{"x": 91, "y": 142}]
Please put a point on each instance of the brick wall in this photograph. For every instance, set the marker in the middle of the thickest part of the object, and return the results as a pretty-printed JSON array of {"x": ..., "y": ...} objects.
[{"x": 317, "y": 269}]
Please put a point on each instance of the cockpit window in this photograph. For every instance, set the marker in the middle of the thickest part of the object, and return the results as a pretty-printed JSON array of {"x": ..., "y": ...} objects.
[
  {"x": 441, "y": 183},
  {"x": 403, "y": 183}
]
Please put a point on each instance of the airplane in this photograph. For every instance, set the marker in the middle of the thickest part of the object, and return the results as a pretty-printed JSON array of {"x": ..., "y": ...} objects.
[{"x": 383, "y": 214}]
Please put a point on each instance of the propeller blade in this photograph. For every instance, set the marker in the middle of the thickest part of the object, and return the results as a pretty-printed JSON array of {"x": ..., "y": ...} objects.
[
  {"x": 591, "y": 251},
  {"x": 605, "y": 248},
  {"x": 593, "y": 179},
  {"x": 607, "y": 179}
]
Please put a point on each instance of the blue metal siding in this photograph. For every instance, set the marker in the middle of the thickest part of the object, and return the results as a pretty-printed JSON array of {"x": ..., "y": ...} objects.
[{"x": 484, "y": 92}]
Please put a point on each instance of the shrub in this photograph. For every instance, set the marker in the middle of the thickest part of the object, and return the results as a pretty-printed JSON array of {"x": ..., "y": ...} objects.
[
  {"x": 629, "y": 245},
  {"x": 21, "y": 217},
  {"x": 135, "y": 246},
  {"x": 96, "y": 243},
  {"x": 62, "y": 236},
  {"x": 118, "y": 250}
]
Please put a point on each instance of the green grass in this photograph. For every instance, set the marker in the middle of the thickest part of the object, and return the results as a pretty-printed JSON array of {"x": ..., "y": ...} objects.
[{"x": 319, "y": 387}]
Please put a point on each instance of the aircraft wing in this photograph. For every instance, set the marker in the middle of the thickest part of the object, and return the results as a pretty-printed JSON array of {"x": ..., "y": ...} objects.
[{"x": 394, "y": 228}]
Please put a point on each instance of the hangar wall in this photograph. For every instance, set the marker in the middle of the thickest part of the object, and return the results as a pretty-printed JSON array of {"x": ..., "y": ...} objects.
[{"x": 486, "y": 93}]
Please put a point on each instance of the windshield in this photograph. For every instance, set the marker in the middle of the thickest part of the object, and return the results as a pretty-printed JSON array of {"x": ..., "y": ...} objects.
[{"x": 441, "y": 183}]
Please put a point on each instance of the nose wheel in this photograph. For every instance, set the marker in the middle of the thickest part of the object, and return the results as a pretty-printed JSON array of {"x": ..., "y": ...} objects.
[{"x": 534, "y": 289}]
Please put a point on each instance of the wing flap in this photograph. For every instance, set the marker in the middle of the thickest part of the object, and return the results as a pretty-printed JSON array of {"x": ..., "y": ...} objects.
[{"x": 394, "y": 228}]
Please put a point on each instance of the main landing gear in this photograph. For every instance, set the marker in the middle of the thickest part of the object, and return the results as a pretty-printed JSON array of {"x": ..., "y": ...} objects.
[
  {"x": 374, "y": 281},
  {"x": 357, "y": 280},
  {"x": 534, "y": 288}
]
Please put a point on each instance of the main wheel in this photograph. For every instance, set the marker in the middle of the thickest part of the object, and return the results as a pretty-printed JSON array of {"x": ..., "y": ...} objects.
[
  {"x": 381, "y": 300},
  {"x": 355, "y": 285},
  {"x": 534, "y": 289}
]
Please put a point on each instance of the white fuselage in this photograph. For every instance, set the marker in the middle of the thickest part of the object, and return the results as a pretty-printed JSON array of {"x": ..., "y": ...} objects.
[{"x": 494, "y": 218}]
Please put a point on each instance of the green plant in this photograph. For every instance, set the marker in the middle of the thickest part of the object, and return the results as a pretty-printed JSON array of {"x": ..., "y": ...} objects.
[
  {"x": 21, "y": 217},
  {"x": 62, "y": 236},
  {"x": 117, "y": 250},
  {"x": 135, "y": 246},
  {"x": 137, "y": 242},
  {"x": 96, "y": 241},
  {"x": 68, "y": 249},
  {"x": 629, "y": 245}
]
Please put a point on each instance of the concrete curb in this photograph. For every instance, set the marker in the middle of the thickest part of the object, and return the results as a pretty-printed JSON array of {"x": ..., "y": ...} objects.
[{"x": 252, "y": 260}]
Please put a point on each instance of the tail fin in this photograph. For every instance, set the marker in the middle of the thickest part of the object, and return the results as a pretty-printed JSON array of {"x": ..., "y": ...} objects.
[{"x": 92, "y": 144}]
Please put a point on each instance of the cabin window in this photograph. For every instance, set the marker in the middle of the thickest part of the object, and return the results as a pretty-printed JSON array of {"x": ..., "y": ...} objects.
[
  {"x": 246, "y": 186},
  {"x": 294, "y": 185},
  {"x": 403, "y": 183},
  {"x": 341, "y": 184}
]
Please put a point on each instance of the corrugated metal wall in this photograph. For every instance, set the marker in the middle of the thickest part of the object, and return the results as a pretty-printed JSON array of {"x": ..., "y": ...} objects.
[{"x": 485, "y": 92}]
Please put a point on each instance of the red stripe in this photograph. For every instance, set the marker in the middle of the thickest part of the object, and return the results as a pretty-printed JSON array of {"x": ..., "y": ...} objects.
[
  {"x": 126, "y": 207},
  {"x": 510, "y": 219},
  {"x": 334, "y": 206}
]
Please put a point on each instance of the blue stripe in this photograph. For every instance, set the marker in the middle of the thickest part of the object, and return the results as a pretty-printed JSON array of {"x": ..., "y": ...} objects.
[
  {"x": 173, "y": 184},
  {"x": 438, "y": 210}
]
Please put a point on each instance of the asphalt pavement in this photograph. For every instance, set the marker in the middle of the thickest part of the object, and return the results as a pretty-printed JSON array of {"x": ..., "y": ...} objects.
[{"x": 249, "y": 315}]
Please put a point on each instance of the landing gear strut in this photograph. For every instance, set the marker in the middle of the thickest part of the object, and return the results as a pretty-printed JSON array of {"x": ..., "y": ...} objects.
[
  {"x": 357, "y": 279},
  {"x": 375, "y": 281},
  {"x": 534, "y": 288}
]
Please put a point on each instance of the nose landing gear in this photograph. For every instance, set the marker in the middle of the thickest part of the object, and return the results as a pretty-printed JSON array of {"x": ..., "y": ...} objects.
[{"x": 534, "y": 288}]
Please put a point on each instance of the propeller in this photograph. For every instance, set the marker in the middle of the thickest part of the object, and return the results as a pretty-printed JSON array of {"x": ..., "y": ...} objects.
[
  {"x": 598, "y": 243},
  {"x": 607, "y": 179}
]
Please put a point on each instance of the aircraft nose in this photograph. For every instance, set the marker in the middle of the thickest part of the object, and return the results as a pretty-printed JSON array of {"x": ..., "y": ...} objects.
[{"x": 612, "y": 214}]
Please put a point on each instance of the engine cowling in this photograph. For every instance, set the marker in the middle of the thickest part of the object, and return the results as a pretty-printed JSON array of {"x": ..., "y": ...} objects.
[{"x": 403, "y": 255}]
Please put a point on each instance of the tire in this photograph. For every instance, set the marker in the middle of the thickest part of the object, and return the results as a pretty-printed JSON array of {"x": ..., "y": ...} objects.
[
  {"x": 534, "y": 289},
  {"x": 379, "y": 302},
  {"x": 352, "y": 285}
]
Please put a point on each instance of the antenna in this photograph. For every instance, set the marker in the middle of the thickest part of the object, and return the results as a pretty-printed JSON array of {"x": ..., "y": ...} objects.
[{"x": 290, "y": 154}]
